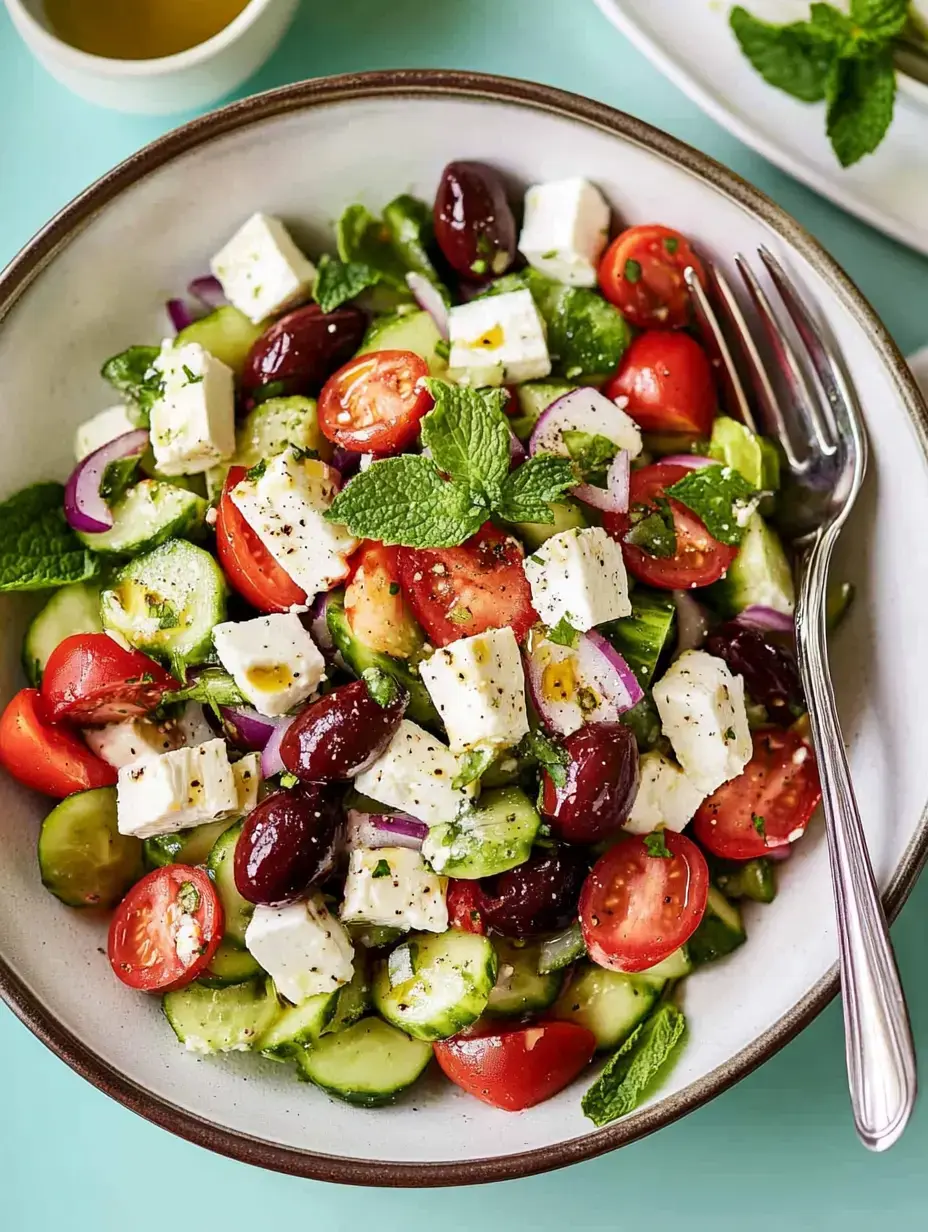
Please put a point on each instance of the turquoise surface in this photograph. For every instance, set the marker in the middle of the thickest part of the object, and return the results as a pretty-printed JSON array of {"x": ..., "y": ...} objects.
[{"x": 776, "y": 1152}]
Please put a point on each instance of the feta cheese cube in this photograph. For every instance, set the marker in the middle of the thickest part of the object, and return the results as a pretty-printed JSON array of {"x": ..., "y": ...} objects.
[
  {"x": 579, "y": 576},
  {"x": 285, "y": 508},
  {"x": 162, "y": 793},
  {"x": 415, "y": 775},
  {"x": 302, "y": 946},
  {"x": 191, "y": 726},
  {"x": 564, "y": 231},
  {"x": 120, "y": 744},
  {"x": 193, "y": 420},
  {"x": 261, "y": 269},
  {"x": 272, "y": 659},
  {"x": 478, "y": 687},
  {"x": 101, "y": 429},
  {"x": 188, "y": 938},
  {"x": 247, "y": 774},
  {"x": 701, "y": 705},
  {"x": 395, "y": 888},
  {"x": 504, "y": 330},
  {"x": 666, "y": 796}
]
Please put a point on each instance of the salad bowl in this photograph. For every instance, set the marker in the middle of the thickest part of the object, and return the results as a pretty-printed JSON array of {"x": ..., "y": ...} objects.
[{"x": 94, "y": 280}]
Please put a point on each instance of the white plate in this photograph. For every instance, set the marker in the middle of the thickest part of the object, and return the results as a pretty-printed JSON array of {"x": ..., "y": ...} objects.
[{"x": 691, "y": 43}]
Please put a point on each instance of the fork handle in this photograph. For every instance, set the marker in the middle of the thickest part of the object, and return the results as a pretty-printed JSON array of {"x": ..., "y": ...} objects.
[{"x": 880, "y": 1056}]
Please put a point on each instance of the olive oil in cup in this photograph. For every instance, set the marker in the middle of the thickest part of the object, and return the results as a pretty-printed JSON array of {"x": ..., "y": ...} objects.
[{"x": 139, "y": 29}]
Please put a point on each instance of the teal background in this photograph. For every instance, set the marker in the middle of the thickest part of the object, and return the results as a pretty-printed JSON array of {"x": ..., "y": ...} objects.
[{"x": 776, "y": 1152}]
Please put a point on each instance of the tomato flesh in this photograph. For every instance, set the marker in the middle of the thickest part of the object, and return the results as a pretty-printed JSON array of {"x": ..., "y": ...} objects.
[
  {"x": 44, "y": 757},
  {"x": 465, "y": 902},
  {"x": 90, "y": 678},
  {"x": 166, "y": 929},
  {"x": 375, "y": 402},
  {"x": 637, "y": 908},
  {"x": 641, "y": 272},
  {"x": 516, "y": 1067},
  {"x": 667, "y": 382},
  {"x": 250, "y": 568},
  {"x": 374, "y": 603},
  {"x": 768, "y": 805}
]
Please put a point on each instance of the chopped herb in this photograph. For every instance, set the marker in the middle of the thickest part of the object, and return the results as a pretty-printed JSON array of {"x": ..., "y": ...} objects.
[
  {"x": 382, "y": 687},
  {"x": 162, "y": 610},
  {"x": 730, "y": 734},
  {"x": 479, "y": 267},
  {"x": 550, "y": 756},
  {"x": 656, "y": 845},
  {"x": 473, "y": 764},
  {"x": 759, "y": 825},
  {"x": 563, "y": 633},
  {"x": 443, "y": 348},
  {"x": 550, "y": 255},
  {"x": 188, "y": 896},
  {"x": 288, "y": 780},
  {"x": 460, "y": 615},
  {"x": 382, "y": 869},
  {"x": 254, "y": 473},
  {"x": 721, "y": 498},
  {"x": 632, "y": 271},
  {"x": 394, "y": 588},
  {"x": 592, "y": 453},
  {"x": 652, "y": 529},
  {"x": 118, "y": 477},
  {"x": 192, "y": 378},
  {"x": 671, "y": 244}
]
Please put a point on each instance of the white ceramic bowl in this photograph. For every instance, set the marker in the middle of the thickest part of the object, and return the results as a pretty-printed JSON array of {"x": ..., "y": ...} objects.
[
  {"x": 184, "y": 82},
  {"x": 95, "y": 280}
]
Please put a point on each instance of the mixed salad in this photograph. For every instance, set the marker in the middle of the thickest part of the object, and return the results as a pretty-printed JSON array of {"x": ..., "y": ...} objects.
[{"x": 417, "y": 677}]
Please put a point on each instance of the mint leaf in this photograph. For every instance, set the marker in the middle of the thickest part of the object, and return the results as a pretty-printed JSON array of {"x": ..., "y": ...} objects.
[
  {"x": 829, "y": 23},
  {"x": 796, "y": 58},
  {"x": 652, "y": 529},
  {"x": 364, "y": 239},
  {"x": 211, "y": 687},
  {"x": 656, "y": 845},
  {"x": 467, "y": 436},
  {"x": 130, "y": 373},
  {"x": 383, "y": 688},
  {"x": 720, "y": 497},
  {"x": 337, "y": 282},
  {"x": 861, "y": 101},
  {"x": 552, "y": 757},
  {"x": 563, "y": 633},
  {"x": 473, "y": 764},
  {"x": 529, "y": 490},
  {"x": 592, "y": 454},
  {"x": 382, "y": 869},
  {"x": 881, "y": 19},
  {"x": 405, "y": 500},
  {"x": 38, "y": 548},
  {"x": 410, "y": 224},
  {"x": 631, "y": 1072}
]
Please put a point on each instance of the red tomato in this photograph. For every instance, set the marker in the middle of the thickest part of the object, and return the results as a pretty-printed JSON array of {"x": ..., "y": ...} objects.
[
  {"x": 668, "y": 383},
  {"x": 514, "y": 1067},
  {"x": 246, "y": 562},
  {"x": 642, "y": 274},
  {"x": 699, "y": 559},
  {"x": 458, "y": 592},
  {"x": 375, "y": 402},
  {"x": 47, "y": 758},
  {"x": 636, "y": 908},
  {"x": 146, "y": 931},
  {"x": 768, "y": 805},
  {"x": 377, "y": 612},
  {"x": 89, "y": 678},
  {"x": 465, "y": 900}
]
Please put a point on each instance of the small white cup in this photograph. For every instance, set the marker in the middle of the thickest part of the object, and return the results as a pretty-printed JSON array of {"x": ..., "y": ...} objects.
[{"x": 183, "y": 82}]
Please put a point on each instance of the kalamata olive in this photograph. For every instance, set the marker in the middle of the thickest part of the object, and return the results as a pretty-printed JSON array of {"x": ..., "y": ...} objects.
[
  {"x": 288, "y": 843},
  {"x": 341, "y": 734},
  {"x": 602, "y": 781},
  {"x": 769, "y": 670},
  {"x": 474, "y": 226},
  {"x": 296, "y": 354},
  {"x": 538, "y": 896}
]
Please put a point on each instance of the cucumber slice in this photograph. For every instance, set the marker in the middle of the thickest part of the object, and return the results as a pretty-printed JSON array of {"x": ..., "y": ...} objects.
[
  {"x": 368, "y": 1064},
  {"x": 673, "y": 967},
  {"x": 271, "y": 428},
  {"x": 753, "y": 457},
  {"x": 185, "y": 847},
  {"x": 611, "y": 1004},
  {"x": 534, "y": 398},
  {"x": 166, "y": 604},
  {"x": 759, "y": 574},
  {"x": 226, "y": 333},
  {"x": 642, "y": 637},
  {"x": 754, "y": 879},
  {"x": 298, "y": 1027},
  {"x": 561, "y": 950},
  {"x": 83, "y": 858},
  {"x": 567, "y": 516},
  {"x": 148, "y": 515},
  {"x": 645, "y": 722},
  {"x": 407, "y": 331},
  {"x": 520, "y": 987},
  {"x": 353, "y": 1000},
  {"x": 373, "y": 936},
  {"x": 720, "y": 931},
  {"x": 229, "y": 965},
  {"x": 220, "y": 864},
  {"x": 210, "y": 1020},
  {"x": 494, "y": 835},
  {"x": 452, "y": 975},
  {"x": 73, "y": 609}
]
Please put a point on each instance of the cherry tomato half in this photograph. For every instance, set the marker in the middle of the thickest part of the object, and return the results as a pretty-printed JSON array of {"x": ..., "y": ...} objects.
[
  {"x": 699, "y": 559},
  {"x": 642, "y": 274},
  {"x": 246, "y": 562},
  {"x": 459, "y": 592},
  {"x": 768, "y": 805},
  {"x": 465, "y": 901},
  {"x": 515, "y": 1067},
  {"x": 666, "y": 379},
  {"x": 376, "y": 609},
  {"x": 44, "y": 757},
  {"x": 89, "y": 678},
  {"x": 375, "y": 402},
  {"x": 166, "y": 929},
  {"x": 636, "y": 908}
]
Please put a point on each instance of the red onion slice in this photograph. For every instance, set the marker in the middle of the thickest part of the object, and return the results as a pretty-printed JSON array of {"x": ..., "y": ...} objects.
[
  {"x": 558, "y": 674},
  {"x": 180, "y": 314},
  {"x": 767, "y": 619},
  {"x": 319, "y": 624},
  {"x": 271, "y": 763},
  {"x": 428, "y": 296},
  {"x": 692, "y": 461},
  {"x": 246, "y": 728},
  {"x": 613, "y": 498},
  {"x": 346, "y": 461},
  {"x": 84, "y": 507},
  {"x": 692, "y": 622},
  {"x": 375, "y": 830},
  {"x": 517, "y": 454},
  {"x": 584, "y": 410},
  {"x": 208, "y": 290}
]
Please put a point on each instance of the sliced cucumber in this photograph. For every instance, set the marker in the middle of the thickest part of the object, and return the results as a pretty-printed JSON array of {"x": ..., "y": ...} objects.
[
  {"x": 368, "y": 1064},
  {"x": 759, "y": 574},
  {"x": 226, "y": 333},
  {"x": 353, "y": 1000},
  {"x": 642, "y": 637},
  {"x": 230, "y": 1019},
  {"x": 166, "y": 604},
  {"x": 753, "y": 457},
  {"x": 645, "y": 722},
  {"x": 298, "y": 1027},
  {"x": 754, "y": 879},
  {"x": 83, "y": 858},
  {"x": 373, "y": 936},
  {"x": 452, "y": 975},
  {"x": 611, "y": 1004},
  {"x": 494, "y": 835},
  {"x": 229, "y": 965},
  {"x": 534, "y": 398},
  {"x": 568, "y": 515},
  {"x": 561, "y": 950},
  {"x": 673, "y": 967},
  {"x": 520, "y": 987},
  {"x": 72, "y": 609},
  {"x": 720, "y": 931},
  {"x": 407, "y": 331},
  {"x": 220, "y": 864},
  {"x": 271, "y": 428},
  {"x": 148, "y": 515},
  {"x": 185, "y": 847}
]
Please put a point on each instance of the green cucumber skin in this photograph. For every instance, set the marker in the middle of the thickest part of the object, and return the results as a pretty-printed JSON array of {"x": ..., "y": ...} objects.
[
  {"x": 390, "y": 1074},
  {"x": 495, "y": 835},
  {"x": 720, "y": 932},
  {"x": 526, "y": 990},
  {"x": 230, "y": 1019},
  {"x": 84, "y": 825},
  {"x": 237, "y": 911},
  {"x": 72, "y": 609},
  {"x": 229, "y": 965},
  {"x": 181, "y": 517}
]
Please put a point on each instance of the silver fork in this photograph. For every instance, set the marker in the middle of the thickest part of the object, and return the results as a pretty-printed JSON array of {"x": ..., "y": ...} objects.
[{"x": 820, "y": 431}]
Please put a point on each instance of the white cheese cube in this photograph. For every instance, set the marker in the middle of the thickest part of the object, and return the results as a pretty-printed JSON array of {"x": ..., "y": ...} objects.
[
  {"x": 701, "y": 705},
  {"x": 261, "y": 269},
  {"x": 272, "y": 659},
  {"x": 191, "y": 726},
  {"x": 666, "y": 796},
  {"x": 120, "y": 744},
  {"x": 188, "y": 938},
  {"x": 247, "y": 774},
  {"x": 579, "y": 576},
  {"x": 478, "y": 687},
  {"x": 193, "y": 420},
  {"x": 285, "y": 508},
  {"x": 172, "y": 791},
  {"x": 395, "y": 888},
  {"x": 302, "y": 946},
  {"x": 564, "y": 231},
  {"x": 415, "y": 775},
  {"x": 502, "y": 330},
  {"x": 106, "y": 426}
]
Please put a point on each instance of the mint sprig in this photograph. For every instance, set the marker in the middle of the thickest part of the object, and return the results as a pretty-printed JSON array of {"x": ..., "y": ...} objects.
[
  {"x": 337, "y": 281},
  {"x": 720, "y": 497},
  {"x": 632, "y": 1071},
  {"x": 38, "y": 549}
]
